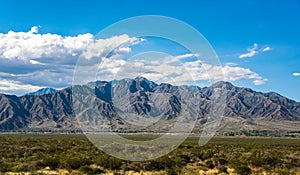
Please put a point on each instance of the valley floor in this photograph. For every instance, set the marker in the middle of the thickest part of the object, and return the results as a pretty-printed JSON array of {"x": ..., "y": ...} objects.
[{"x": 74, "y": 154}]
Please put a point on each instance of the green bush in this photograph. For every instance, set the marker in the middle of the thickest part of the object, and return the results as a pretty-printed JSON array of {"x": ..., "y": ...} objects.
[
  {"x": 109, "y": 162},
  {"x": 242, "y": 169},
  {"x": 154, "y": 165},
  {"x": 172, "y": 172},
  {"x": 52, "y": 162},
  {"x": 210, "y": 164},
  {"x": 222, "y": 168},
  {"x": 222, "y": 161},
  {"x": 90, "y": 171},
  {"x": 4, "y": 167}
]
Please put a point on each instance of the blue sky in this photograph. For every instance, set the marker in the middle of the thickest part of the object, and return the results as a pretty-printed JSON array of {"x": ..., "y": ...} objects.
[{"x": 232, "y": 27}]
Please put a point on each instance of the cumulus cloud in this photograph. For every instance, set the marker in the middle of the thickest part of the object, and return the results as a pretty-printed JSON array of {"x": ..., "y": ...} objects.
[
  {"x": 31, "y": 58},
  {"x": 33, "y": 46},
  {"x": 260, "y": 81},
  {"x": 16, "y": 87},
  {"x": 173, "y": 68},
  {"x": 117, "y": 44},
  {"x": 254, "y": 50},
  {"x": 296, "y": 74},
  {"x": 34, "y": 29}
]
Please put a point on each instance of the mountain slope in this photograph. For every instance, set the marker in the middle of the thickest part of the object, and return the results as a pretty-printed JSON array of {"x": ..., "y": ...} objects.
[
  {"x": 13, "y": 115},
  {"x": 50, "y": 110},
  {"x": 246, "y": 103}
]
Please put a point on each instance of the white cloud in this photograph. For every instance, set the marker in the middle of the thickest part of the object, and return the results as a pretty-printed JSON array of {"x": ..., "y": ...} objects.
[
  {"x": 251, "y": 51},
  {"x": 231, "y": 64},
  {"x": 16, "y": 87},
  {"x": 172, "y": 69},
  {"x": 266, "y": 49},
  {"x": 101, "y": 47},
  {"x": 260, "y": 81},
  {"x": 30, "y": 45},
  {"x": 34, "y": 29},
  {"x": 254, "y": 50},
  {"x": 187, "y": 55},
  {"x": 34, "y": 60},
  {"x": 296, "y": 74},
  {"x": 249, "y": 54},
  {"x": 228, "y": 73}
]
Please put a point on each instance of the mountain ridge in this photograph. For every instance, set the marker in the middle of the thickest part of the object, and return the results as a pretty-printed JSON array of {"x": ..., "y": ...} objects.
[{"x": 245, "y": 109}]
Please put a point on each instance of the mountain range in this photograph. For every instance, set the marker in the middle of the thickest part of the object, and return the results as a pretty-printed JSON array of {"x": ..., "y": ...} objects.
[{"x": 143, "y": 105}]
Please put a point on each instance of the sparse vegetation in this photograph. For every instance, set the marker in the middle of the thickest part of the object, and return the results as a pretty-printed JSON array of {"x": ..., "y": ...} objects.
[{"x": 76, "y": 155}]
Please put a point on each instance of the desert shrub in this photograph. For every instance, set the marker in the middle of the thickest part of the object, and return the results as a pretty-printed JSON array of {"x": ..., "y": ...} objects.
[
  {"x": 109, "y": 162},
  {"x": 31, "y": 166},
  {"x": 284, "y": 171},
  {"x": 210, "y": 164},
  {"x": 256, "y": 159},
  {"x": 184, "y": 158},
  {"x": 50, "y": 161},
  {"x": 172, "y": 172},
  {"x": 18, "y": 167},
  {"x": 199, "y": 154},
  {"x": 154, "y": 165},
  {"x": 242, "y": 169},
  {"x": 74, "y": 163},
  {"x": 167, "y": 162},
  {"x": 222, "y": 161},
  {"x": 222, "y": 168},
  {"x": 86, "y": 169},
  {"x": 207, "y": 154},
  {"x": 272, "y": 160},
  {"x": 4, "y": 167}
]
